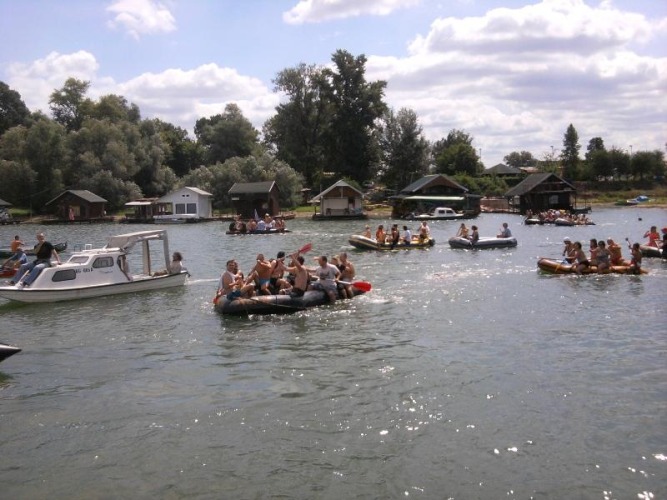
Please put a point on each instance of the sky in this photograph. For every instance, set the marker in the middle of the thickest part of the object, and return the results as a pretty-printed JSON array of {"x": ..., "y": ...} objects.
[{"x": 513, "y": 74}]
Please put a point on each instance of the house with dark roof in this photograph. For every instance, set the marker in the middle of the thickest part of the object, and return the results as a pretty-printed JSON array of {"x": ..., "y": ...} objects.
[
  {"x": 255, "y": 199},
  {"x": 339, "y": 201},
  {"x": 502, "y": 170},
  {"x": 432, "y": 191},
  {"x": 540, "y": 192},
  {"x": 78, "y": 204}
]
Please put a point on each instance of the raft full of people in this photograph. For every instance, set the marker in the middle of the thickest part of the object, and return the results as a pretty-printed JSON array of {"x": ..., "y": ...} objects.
[
  {"x": 470, "y": 239},
  {"x": 278, "y": 286},
  {"x": 394, "y": 240},
  {"x": 266, "y": 225}
]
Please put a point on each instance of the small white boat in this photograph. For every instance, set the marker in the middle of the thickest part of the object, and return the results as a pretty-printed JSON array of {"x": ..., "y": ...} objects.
[
  {"x": 440, "y": 213},
  {"x": 98, "y": 272}
]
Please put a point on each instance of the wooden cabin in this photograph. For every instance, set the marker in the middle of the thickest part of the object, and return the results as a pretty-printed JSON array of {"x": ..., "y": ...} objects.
[
  {"x": 339, "y": 201},
  {"x": 77, "y": 205},
  {"x": 255, "y": 199},
  {"x": 540, "y": 192},
  {"x": 432, "y": 191}
]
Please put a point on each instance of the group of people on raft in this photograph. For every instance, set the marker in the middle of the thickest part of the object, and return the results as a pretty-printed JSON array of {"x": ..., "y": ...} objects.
[
  {"x": 604, "y": 255},
  {"x": 550, "y": 216},
  {"x": 395, "y": 238},
  {"x": 472, "y": 234},
  {"x": 293, "y": 278},
  {"x": 252, "y": 225}
]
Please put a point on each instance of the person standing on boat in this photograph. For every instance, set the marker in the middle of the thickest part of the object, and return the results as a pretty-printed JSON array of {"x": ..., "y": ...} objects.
[
  {"x": 380, "y": 235},
  {"x": 424, "y": 232},
  {"x": 505, "y": 231},
  {"x": 44, "y": 252},
  {"x": 327, "y": 274}
]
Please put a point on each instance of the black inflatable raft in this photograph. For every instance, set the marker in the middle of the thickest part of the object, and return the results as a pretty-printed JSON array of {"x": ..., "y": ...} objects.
[
  {"x": 274, "y": 304},
  {"x": 7, "y": 351}
]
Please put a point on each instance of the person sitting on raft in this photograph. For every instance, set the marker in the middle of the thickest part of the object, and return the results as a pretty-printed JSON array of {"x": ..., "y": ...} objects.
[
  {"x": 580, "y": 258},
  {"x": 463, "y": 231},
  {"x": 603, "y": 257},
  {"x": 301, "y": 277},
  {"x": 474, "y": 237},
  {"x": 326, "y": 274},
  {"x": 636, "y": 260},
  {"x": 504, "y": 232},
  {"x": 232, "y": 283},
  {"x": 653, "y": 237},
  {"x": 614, "y": 248},
  {"x": 407, "y": 236},
  {"x": 424, "y": 232},
  {"x": 568, "y": 251},
  {"x": 262, "y": 273},
  {"x": 380, "y": 235}
]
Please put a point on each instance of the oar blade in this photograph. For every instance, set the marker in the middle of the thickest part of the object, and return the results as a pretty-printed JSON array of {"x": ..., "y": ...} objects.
[
  {"x": 306, "y": 248},
  {"x": 364, "y": 286}
]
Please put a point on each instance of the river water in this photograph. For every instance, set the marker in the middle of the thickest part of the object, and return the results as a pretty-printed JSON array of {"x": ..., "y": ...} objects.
[{"x": 463, "y": 374}]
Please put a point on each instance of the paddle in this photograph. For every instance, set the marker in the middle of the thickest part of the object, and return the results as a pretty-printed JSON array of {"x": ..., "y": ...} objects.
[
  {"x": 306, "y": 248},
  {"x": 364, "y": 286}
]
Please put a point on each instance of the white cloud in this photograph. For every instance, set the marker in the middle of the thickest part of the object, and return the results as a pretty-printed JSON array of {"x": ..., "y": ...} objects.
[
  {"x": 316, "y": 11},
  {"x": 37, "y": 81},
  {"x": 516, "y": 78},
  {"x": 141, "y": 17}
]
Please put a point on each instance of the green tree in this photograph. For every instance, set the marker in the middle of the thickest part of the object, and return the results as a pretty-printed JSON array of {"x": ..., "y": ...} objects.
[
  {"x": 45, "y": 153},
  {"x": 600, "y": 163},
  {"x": 226, "y": 135},
  {"x": 595, "y": 144},
  {"x": 13, "y": 110},
  {"x": 403, "y": 148},
  {"x": 355, "y": 105},
  {"x": 520, "y": 159},
  {"x": 620, "y": 163},
  {"x": 295, "y": 132},
  {"x": 647, "y": 164},
  {"x": 455, "y": 154},
  {"x": 69, "y": 105},
  {"x": 114, "y": 108},
  {"x": 181, "y": 153},
  {"x": 570, "y": 153}
]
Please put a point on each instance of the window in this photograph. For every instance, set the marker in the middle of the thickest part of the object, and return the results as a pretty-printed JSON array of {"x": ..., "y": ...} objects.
[
  {"x": 180, "y": 208},
  {"x": 101, "y": 262},
  {"x": 78, "y": 259},
  {"x": 64, "y": 275},
  {"x": 192, "y": 208}
]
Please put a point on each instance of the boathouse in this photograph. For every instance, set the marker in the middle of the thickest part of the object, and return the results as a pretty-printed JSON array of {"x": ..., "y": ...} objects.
[
  {"x": 187, "y": 203},
  {"x": 253, "y": 199},
  {"x": 432, "y": 191},
  {"x": 339, "y": 201},
  {"x": 78, "y": 205},
  {"x": 540, "y": 192}
]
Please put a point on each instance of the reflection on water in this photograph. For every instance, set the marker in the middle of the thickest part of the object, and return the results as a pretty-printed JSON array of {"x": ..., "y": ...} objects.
[{"x": 463, "y": 374}]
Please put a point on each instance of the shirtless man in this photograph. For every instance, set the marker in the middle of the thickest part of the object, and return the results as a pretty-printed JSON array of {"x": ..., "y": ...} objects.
[
  {"x": 347, "y": 273},
  {"x": 231, "y": 283},
  {"x": 261, "y": 271},
  {"x": 277, "y": 271},
  {"x": 301, "y": 277}
]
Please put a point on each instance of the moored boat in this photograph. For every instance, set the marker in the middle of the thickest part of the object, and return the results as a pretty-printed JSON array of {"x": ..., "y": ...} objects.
[
  {"x": 486, "y": 242},
  {"x": 7, "y": 351},
  {"x": 557, "y": 267},
  {"x": 363, "y": 243},
  {"x": 280, "y": 304},
  {"x": 100, "y": 272},
  {"x": 439, "y": 213}
]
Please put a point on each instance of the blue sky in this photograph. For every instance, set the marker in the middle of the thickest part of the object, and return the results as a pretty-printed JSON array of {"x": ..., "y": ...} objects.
[{"x": 513, "y": 74}]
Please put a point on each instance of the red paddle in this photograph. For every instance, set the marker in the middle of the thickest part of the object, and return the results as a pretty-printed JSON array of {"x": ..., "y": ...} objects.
[
  {"x": 364, "y": 286},
  {"x": 306, "y": 248}
]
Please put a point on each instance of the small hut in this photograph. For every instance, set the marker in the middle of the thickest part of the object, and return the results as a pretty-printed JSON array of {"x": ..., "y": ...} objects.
[
  {"x": 250, "y": 199},
  {"x": 432, "y": 191},
  {"x": 540, "y": 192},
  {"x": 340, "y": 201},
  {"x": 78, "y": 205},
  {"x": 189, "y": 204}
]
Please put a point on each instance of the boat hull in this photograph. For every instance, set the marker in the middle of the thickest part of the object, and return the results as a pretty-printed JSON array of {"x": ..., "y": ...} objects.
[
  {"x": 556, "y": 267},
  {"x": 363, "y": 243},
  {"x": 459, "y": 242},
  {"x": 36, "y": 295},
  {"x": 650, "y": 251},
  {"x": 7, "y": 351},
  {"x": 274, "y": 304}
]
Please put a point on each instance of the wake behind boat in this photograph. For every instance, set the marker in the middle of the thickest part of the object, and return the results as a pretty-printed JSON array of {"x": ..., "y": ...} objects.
[
  {"x": 101, "y": 271},
  {"x": 486, "y": 242}
]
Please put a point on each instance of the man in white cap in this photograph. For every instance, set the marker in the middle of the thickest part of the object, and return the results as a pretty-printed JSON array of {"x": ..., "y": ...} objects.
[{"x": 568, "y": 251}]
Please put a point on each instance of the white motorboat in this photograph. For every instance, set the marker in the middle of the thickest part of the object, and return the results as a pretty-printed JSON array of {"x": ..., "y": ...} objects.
[
  {"x": 97, "y": 272},
  {"x": 439, "y": 213}
]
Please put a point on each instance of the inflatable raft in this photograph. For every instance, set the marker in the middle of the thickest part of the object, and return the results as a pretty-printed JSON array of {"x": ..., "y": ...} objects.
[
  {"x": 363, "y": 243},
  {"x": 650, "y": 251},
  {"x": 557, "y": 267},
  {"x": 263, "y": 231},
  {"x": 276, "y": 304},
  {"x": 488, "y": 242}
]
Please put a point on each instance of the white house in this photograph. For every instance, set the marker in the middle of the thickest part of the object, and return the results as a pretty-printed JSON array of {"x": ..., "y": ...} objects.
[
  {"x": 339, "y": 201},
  {"x": 187, "y": 203}
]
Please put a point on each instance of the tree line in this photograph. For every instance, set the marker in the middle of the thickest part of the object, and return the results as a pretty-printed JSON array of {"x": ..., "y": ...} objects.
[{"x": 332, "y": 124}]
